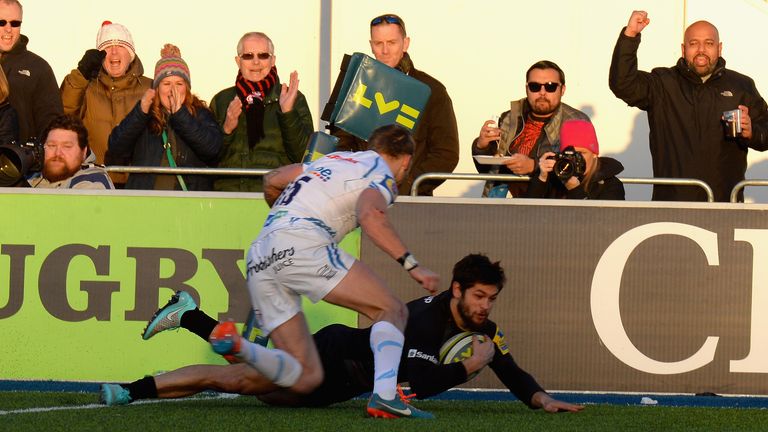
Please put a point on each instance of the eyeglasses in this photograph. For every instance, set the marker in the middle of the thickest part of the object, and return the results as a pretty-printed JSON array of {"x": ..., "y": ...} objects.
[
  {"x": 13, "y": 23},
  {"x": 550, "y": 87},
  {"x": 260, "y": 56},
  {"x": 392, "y": 19}
]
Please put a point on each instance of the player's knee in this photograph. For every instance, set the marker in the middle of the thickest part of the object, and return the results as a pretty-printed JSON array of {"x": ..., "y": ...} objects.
[
  {"x": 397, "y": 313},
  {"x": 310, "y": 379}
]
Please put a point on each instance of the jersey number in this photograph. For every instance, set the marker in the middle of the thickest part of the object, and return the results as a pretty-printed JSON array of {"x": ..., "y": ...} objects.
[{"x": 290, "y": 192}]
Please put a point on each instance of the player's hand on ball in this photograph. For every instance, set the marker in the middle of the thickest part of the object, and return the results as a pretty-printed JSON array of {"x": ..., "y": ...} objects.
[
  {"x": 483, "y": 350},
  {"x": 427, "y": 278}
]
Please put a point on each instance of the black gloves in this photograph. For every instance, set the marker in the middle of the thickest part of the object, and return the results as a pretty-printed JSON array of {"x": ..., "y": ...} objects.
[{"x": 90, "y": 64}]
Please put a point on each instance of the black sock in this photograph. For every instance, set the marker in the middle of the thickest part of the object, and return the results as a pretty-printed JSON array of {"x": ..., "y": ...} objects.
[
  {"x": 198, "y": 323},
  {"x": 144, "y": 388}
]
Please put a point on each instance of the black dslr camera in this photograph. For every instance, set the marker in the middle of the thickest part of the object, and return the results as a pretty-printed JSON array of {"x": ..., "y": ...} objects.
[
  {"x": 16, "y": 160},
  {"x": 569, "y": 163}
]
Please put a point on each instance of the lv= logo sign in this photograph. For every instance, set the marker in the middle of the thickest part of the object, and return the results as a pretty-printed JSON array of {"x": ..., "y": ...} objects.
[{"x": 384, "y": 107}]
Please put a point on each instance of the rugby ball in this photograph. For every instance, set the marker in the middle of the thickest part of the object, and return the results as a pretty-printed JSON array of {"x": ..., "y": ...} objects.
[{"x": 459, "y": 348}]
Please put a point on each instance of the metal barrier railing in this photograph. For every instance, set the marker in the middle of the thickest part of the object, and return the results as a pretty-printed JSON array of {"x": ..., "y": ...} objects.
[
  {"x": 517, "y": 178},
  {"x": 195, "y": 171},
  {"x": 742, "y": 184},
  {"x": 425, "y": 177}
]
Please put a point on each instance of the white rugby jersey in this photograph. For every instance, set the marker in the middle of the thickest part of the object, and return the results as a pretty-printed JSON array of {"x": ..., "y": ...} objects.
[{"x": 326, "y": 193}]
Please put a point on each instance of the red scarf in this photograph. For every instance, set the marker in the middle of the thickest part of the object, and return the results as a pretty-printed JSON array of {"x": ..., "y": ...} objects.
[{"x": 252, "y": 96}]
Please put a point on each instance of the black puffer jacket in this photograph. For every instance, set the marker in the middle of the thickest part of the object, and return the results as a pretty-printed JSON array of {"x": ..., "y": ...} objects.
[
  {"x": 687, "y": 137},
  {"x": 34, "y": 92},
  {"x": 198, "y": 140}
]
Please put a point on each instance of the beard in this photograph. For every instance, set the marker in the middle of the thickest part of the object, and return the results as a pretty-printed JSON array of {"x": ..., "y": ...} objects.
[
  {"x": 703, "y": 70},
  {"x": 543, "y": 107},
  {"x": 59, "y": 171},
  {"x": 466, "y": 317}
]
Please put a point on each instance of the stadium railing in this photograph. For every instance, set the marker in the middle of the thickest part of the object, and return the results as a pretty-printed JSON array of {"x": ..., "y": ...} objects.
[
  {"x": 742, "y": 184},
  {"x": 426, "y": 177},
  {"x": 195, "y": 171},
  {"x": 517, "y": 178}
]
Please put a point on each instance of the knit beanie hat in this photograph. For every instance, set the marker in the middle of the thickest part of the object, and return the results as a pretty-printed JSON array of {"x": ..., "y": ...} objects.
[
  {"x": 115, "y": 34},
  {"x": 171, "y": 63},
  {"x": 579, "y": 133}
]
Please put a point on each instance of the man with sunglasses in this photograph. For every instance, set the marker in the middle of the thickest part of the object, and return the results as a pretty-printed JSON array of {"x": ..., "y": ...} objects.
[
  {"x": 686, "y": 103},
  {"x": 529, "y": 129},
  {"x": 34, "y": 92},
  {"x": 436, "y": 135},
  {"x": 266, "y": 124}
]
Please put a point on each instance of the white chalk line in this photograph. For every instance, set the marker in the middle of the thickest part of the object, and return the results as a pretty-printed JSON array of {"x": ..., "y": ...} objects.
[{"x": 97, "y": 406}]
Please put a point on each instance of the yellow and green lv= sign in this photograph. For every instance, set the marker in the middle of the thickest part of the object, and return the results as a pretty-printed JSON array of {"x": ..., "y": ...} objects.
[
  {"x": 384, "y": 107},
  {"x": 374, "y": 94}
]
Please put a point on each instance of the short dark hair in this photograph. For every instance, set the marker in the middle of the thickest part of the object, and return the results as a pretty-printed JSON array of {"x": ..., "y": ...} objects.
[
  {"x": 390, "y": 19},
  {"x": 392, "y": 140},
  {"x": 70, "y": 123},
  {"x": 477, "y": 268},
  {"x": 546, "y": 64}
]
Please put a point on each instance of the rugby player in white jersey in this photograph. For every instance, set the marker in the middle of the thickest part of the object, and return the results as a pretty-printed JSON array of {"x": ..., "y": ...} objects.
[{"x": 296, "y": 253}]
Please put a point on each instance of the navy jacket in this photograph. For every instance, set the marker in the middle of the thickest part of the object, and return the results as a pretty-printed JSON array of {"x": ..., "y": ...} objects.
[{"x": 198, "y": 139}]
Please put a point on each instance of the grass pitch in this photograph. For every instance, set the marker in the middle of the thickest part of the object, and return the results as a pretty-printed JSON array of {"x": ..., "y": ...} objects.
[{"x": 60, "y": 411}]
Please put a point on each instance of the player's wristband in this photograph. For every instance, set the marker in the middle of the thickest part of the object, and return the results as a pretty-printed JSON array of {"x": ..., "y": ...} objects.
[{"x": 408, "y": 261}]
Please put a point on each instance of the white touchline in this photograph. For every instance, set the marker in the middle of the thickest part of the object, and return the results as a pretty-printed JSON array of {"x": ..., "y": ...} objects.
[{"x": 96, "y": 406}]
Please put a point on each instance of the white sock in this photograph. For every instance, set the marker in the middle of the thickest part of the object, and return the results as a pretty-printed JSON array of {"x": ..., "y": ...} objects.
[
  {"x": 276, "y": 365},
  {"x": 387, "y": 346}
]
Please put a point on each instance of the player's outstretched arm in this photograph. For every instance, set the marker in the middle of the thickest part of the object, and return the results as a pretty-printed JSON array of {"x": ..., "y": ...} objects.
[
  {"x": 372, "y": 217},
  {"x": 276, "y": 180},
  {"x": 552, "y": 405}
]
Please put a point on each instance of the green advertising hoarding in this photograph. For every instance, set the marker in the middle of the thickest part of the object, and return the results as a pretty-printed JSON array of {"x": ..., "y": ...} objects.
[{"x": 81, "y": 273}]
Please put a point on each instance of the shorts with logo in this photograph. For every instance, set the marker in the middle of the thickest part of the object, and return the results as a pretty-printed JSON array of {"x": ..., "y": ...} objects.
[{"x": 286, "y": 263}]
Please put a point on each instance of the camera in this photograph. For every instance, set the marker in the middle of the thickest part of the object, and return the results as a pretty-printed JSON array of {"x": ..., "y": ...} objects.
[
  {"x": 16, "y": 160},
  {"x": 569, "y": 163},
  {"x": 732, "y": 121}
]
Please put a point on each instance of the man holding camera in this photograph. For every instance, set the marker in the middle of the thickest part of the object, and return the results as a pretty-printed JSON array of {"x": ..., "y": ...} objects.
[
  {"x": 529, "y": 129},
  {"x": 686, "y": 103},
  {"x": 68, "y": 162}
]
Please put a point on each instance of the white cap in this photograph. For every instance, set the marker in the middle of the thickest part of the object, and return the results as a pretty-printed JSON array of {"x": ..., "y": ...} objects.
[{"x": 114, "y": 34}]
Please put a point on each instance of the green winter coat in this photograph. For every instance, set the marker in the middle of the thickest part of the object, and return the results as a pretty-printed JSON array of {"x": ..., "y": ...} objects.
[{"x": 285, "y": 139}]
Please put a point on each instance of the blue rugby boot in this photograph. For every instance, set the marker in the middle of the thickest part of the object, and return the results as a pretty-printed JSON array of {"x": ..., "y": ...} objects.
[
  {"x": 395, "y": 408},
  {"x": 114, "y": 394},
  {"x": 168, "y": 317}
]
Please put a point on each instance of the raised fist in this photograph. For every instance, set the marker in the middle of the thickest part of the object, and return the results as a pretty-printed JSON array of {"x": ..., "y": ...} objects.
[
  {"x": 90, "y": 64},
  {"x": 637, "y": 22}
]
